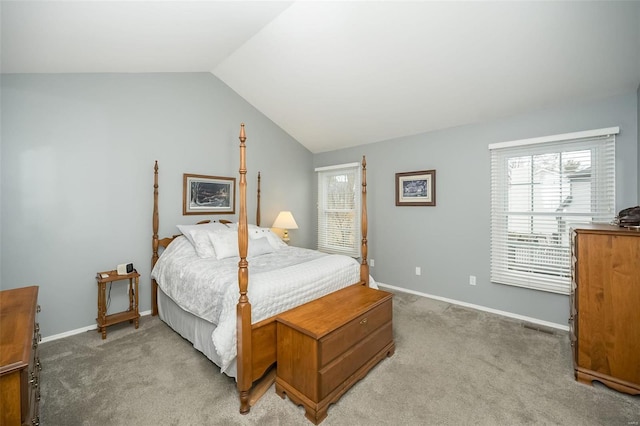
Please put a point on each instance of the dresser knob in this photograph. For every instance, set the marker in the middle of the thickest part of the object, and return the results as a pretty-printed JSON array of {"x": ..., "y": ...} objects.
[{"x": 363, "y": 322}]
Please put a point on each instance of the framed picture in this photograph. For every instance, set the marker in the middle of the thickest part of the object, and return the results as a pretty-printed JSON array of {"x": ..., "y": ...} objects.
[
  {"x": 416, "y": 188},
  {"x": 208, "y": 194}
]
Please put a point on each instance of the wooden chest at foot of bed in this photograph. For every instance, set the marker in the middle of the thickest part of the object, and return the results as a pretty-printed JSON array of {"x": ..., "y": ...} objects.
[{"x": 327, "y": 345}]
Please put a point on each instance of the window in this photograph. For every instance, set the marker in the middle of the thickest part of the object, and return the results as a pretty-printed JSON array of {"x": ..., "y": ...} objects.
[
  {"x": 540, "y": 188},
  {"x": 339, "y": 194}
]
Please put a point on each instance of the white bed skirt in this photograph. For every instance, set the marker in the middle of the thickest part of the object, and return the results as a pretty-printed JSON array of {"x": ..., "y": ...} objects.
[{"x": 196, "y": 330}]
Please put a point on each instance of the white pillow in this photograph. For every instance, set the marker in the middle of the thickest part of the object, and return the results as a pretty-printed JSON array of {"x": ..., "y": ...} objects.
[
  {"x": 259, "y": 246},
  {"x": 256, "y": 232},
  {"x": 198, "y": 236},
  {"x": 226, "y": 245}
]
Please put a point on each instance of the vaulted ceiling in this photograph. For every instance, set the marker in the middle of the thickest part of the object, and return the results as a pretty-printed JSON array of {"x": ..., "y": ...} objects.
[{"x": 340, "y": 74}]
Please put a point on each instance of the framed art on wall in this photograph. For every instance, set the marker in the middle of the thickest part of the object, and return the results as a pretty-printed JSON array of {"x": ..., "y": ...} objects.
[
  {"x": 416, "y": 188},
  {"x": 208, "y": 194}
]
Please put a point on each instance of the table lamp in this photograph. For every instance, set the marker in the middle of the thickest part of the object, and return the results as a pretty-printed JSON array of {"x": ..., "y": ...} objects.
[{"x": 285, "y": 221}]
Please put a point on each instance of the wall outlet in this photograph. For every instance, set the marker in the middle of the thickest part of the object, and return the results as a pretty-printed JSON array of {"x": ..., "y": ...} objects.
[
  {"x": 418, "y": 270},
  {"x": 372, "y": 262},
  {"x": 472, "y": 280}
]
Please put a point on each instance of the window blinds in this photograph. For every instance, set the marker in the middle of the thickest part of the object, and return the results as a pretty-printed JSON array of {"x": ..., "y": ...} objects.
[
  {"x": 540, "y": 188},
  {"x": 339, "y": 198}
]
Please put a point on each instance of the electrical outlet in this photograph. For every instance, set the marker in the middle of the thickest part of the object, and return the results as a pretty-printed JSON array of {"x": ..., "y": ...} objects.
[
  {"x": 418, "y": 270},
  {"x": 472, "y": 280},
  {"x": 372, "y": 262}
]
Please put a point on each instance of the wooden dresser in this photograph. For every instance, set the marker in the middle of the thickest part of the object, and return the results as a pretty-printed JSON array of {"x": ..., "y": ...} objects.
[
  {"x": 19, "y": 361},
  {"x": 605, "y": 306},
  {"x": 327, "y": 345}
]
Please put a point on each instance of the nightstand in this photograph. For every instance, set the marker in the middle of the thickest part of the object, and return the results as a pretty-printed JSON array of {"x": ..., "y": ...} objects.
[{"x": 130, "y": 314}]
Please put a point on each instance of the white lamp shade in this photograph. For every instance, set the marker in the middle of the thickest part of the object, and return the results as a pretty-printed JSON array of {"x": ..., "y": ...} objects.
[{"x": 285, "y": 220}]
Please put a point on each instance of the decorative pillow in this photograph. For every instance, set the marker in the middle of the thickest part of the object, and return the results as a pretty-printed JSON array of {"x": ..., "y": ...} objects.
[
  {"x": 259, "y": 246},
  {"x": 256, "y": 232},
  {"x": 198, "y": 236},
  {"x": 225, "y": 244}
]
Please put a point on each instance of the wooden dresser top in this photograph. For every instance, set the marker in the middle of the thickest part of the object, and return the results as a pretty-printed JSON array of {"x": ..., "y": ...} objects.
[
  {"x": 603, "y": 228},
  {"x": 17, "y": 317}
]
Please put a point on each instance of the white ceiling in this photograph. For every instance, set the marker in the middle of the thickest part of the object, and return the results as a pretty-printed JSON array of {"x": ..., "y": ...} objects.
[{"x": 339, "y": 74}]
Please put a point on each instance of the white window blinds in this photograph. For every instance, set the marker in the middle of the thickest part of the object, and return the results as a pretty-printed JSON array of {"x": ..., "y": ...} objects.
[
  {"x": 339, "y": 197},
  {"x": 540, "y": 188}
]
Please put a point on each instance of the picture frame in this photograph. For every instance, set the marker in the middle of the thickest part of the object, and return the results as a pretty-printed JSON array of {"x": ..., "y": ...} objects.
[
  {"x": 203, "y": 194},
  {"x": 416, "y": 188}
]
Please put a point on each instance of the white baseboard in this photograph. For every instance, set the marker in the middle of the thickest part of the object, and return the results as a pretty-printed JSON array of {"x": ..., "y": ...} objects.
[
  {"x": 79, "y": 330},
  {"x": 400, "y": 289},
  {"x": 479, "y": 308}
]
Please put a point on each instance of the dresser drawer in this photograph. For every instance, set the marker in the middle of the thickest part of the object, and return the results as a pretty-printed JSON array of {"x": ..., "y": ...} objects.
[
  {"x": 334, "y": 374},
  {"x": 351, "y": 333}
]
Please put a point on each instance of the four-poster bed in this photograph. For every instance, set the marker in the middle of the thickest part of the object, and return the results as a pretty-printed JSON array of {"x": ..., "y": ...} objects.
[{"x": 254, "y": 335}]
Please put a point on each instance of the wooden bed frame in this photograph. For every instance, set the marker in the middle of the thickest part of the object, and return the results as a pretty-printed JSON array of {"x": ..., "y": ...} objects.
[{"x": 256, "y": 351}]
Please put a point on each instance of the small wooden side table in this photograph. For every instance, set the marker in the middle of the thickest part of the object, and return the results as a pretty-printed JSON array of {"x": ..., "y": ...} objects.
[{"x": 130, "y": 314}]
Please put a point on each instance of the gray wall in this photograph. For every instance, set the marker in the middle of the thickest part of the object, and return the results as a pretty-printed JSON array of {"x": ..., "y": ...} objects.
[
  {"x": 77, "y": 176},
  {"x": 450, "y": 242},
  {"x": 77, "y": 173}
]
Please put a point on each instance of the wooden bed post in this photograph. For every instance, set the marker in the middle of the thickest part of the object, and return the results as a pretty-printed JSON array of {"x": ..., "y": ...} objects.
[
  {"x": 364, "y": 266},
  {"x": 243, "y": 310},
  {"x": 258, "y": 208},
  {"x": 154, "y": 243}
]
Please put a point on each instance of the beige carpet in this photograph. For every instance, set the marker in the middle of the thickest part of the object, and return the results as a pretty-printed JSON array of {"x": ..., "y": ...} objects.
[{"x": 452, "y": 366}]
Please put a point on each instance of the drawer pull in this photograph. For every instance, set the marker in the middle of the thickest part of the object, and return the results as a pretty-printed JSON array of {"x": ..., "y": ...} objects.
[
  {"x": 38, "y": 309},
  {"x": 38, "y": 365},
  {"x": 34, "y": 381},
  {"x": 364, "y": 321},
  {"x": 36, "y": 421},
  {"x": 37, "y": 327}
]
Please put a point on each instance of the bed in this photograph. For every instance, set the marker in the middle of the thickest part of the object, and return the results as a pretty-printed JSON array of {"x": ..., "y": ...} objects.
[{"x": 238, "y": 335}]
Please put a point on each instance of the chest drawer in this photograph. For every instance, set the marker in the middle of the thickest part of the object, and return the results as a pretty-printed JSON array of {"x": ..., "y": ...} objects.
[
  {"x": 348, "y": 336},
  {"x": 334, "y": 374}
]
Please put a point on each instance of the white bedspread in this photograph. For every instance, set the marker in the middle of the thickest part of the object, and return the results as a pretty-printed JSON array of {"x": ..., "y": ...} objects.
[{"x": 278, "y": 281}]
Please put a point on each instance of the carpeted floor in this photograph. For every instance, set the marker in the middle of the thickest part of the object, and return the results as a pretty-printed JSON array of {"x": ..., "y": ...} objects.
[{"x": 452, "y": 366}]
